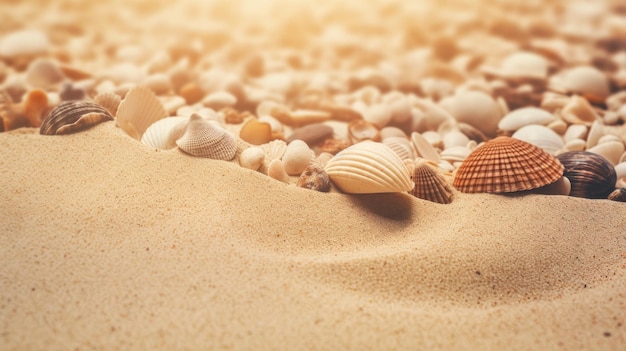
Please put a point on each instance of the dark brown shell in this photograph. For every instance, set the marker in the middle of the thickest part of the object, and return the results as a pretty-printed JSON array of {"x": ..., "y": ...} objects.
[
  {"x": 591, "y": 175},
  {"x": 430, "y": 184},
  {"x": 618, "y": 194},
  {"x": 72, "y": 116},
  {"x": 505, "y": 165}
]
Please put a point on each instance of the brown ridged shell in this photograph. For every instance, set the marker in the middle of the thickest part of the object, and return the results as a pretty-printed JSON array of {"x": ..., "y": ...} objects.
[
  {"x": 430, "y": 184},
  {"x": 205, "y": 139},
  {"x": 505, "y": 165},
  {"x": 591, "y": 175},
  {"x": 72, "y": 116}
]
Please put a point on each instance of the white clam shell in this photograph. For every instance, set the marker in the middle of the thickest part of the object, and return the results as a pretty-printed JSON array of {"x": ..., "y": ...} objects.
[
  {"x": 163, "y": 133},
  {"x": 369, "y": 167},
  {"x": 138, "y": 110},
  {"x": 575, "y": 131},
  {"x": 540, "y": 136},
  {"x": 477, "y": 109},
  {"x": 252, "y": 158},
  {"x": 277, "y": 171},
  {"x": 611, "y": 150},
  {"x": 524, "y": 64},
  {"x": 588, "y": 80},
  {"x": 423, "y": 148},
  {"x": 524, "y": 116},
  {"x": 575, "y": 145},
  {"x": 455, "y": 154},
  {"x": 297, "y": 157}
]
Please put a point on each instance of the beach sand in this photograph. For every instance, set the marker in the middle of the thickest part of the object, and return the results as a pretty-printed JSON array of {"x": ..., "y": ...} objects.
[{"x": 108, "y": 244}]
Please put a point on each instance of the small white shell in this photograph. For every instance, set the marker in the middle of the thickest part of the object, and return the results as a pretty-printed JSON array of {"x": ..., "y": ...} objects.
[
  {"x": 274, "y": 150},
  {"x": 524, "y": 65},
  {"x": 163, "y": 133},
  {"x": 297, "y": 157},
  {"x": 541, "y": 136},
  {"x": 139, "y": 109},
  {"x": 423, "y": 148},
  {"x": 596, "y": 131},
  {"x": 455, "y": 154},
  {"x": 401, "y": 146},
  {"x": 369, "y": 167},
  {"x": 478, "y": 110},
  {"x": 611, "y": 150},
  {"x": 524, "y": 116},
  {"x": 277, "y": 171},
  {"x": 575, "y": 131},
  {"x": 575, "y": 145},
  {"x": 203, "y": 138},
  {"x": 252, "y": 158}
]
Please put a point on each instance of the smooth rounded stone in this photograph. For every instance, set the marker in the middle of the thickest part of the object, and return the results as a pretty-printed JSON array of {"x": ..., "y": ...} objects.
[
  {"x": 611, "y": 117},
  {"x": 255, "y": 132},
  {"x": 159, "y": 83},
  {"x": 378, "y": 115},
  {"x": 277, "y": 171},
  {"x": 219, "y": 100},
  {"x": 524, "y": 65},
  {"x": 23, "y": 43},
  {"x": 558, "y": 126},
  {"x": 478, "y": 110},
  {"x": 579, "y": 111},
  {"x": 434, "y": 139},
  {"x": 391, "y": 131},
  {"x": 399, "y": 105},
  {"x": 297, "y": 157},
  {"x": 611, "y": 150},
  {"x": 428, "y": 116},
  {"x": 540, "y": 136},
  {"x": 575, "y": 145},
  {"x": 252, "y": 158},
  {"x": 192, "y": 93},
  {"x": 315, "y": 178},
  {"x": 275, "y": 124},
  {"x": 455, "y": 154},
  {"x": 312, "y": 134},
  {"x": 524, "y": 116},
  {"x": 561, "y": 187},
  {"x": 575, "y": 131},
  {"x": 588, "y": 81},
  {"x": 44, "y": 73}
]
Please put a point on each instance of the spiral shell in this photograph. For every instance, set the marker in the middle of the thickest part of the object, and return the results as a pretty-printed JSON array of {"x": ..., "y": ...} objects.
[
  {"x": 591, "y": 175},
  {"x": 430, "y": 184},
  {"x": 206, "y": 139},
  {"x": 368, "y": 167},
  {"x": 504, "y": 165},
  {"x": 72, "y": 116}
]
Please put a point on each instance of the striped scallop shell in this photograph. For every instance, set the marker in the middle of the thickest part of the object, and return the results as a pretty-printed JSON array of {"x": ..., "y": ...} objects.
[
  {"x": 203, "y": 138},
  {"x": 368, "y": 167},
  {"x": 139, "y": 109},
  {"x": 430, "y": 184},
  {"x": 163, "y": 133},
  {"x": 72, "y": 116},
  {"x": 591, "y": 175},
  {"x": 504, "y": 165},
  {"x": 109, "y": 100}
]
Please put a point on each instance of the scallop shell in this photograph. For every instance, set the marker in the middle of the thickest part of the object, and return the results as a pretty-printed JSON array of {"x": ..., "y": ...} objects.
[
  {"x": 109, "y": 100},
  {"x": 139, "y": 109},
  {"x": 591, "y": 175},
  {"x": 72, "y": 116},
  {"x": 274, "y": 150},
  {"x": 524, "y": 116},
  {"x": 430, "y": 184},
  {"x": 203, "y": 138},
  {"x": 401, "y": 146},
  {"x": 541, "y": 136},
  {"x": 163, "y": 133},
  {"x": 504, "y": 165},
  {"x": 369, "y": 167}
]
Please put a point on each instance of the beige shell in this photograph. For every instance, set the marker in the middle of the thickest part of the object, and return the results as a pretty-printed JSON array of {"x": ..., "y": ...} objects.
[
  {"x": 277, "y": 171},
  {"x": 430, "y": 184},
  {"x": 109, "y": 100},
  {"x": 203, "y": 138},
  {"x": 422, "y": 148},
  {"x": 524, "y": 65},
  {"x": 541, "y": 136},
  {"x": 138, "y": 110},
  {"x": 297, "y": 157},
  {"x": 274, "y": 150},
  {"x": 579, "y": 111},
  {"x": 72, "y": 116},
  {"x": 163, "y": 133},
  {"x": 504, "y": 165},
  {"x": 369, "y": 167},
  {"x": 524, "y": 116},
  {"x": 401, "y": 146},
  {"x": 252, "y": 158}
]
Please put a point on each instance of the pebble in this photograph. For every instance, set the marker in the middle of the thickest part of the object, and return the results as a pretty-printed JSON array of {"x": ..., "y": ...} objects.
[
  {"x": 24, "y": 43},
  {"x": 297, "y": 157}
]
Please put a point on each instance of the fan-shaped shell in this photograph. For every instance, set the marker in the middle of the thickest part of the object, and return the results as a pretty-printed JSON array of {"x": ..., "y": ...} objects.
[
  {"x": 430, "y": 184},
  {"x": 274, "y": 150},
  {"x": 109, "y": 100},
  {"x": 163, "y": 133},
  {"x": 401, "y": 146},
  {"x": 203, "y": 138},
  {"x": 72, "y": 116},
  {"x": 139, "y": 109},
  {"x": 505, "y": 165},
  {"x": 591, "y": 175},
  {"x": 368, "y": 167}
]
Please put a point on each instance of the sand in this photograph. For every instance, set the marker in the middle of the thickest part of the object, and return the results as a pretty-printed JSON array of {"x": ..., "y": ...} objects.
[{"x": 108, "y": 244}]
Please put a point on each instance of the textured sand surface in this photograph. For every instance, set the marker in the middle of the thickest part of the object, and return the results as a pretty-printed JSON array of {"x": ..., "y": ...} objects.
[{"x": 109, "y": 244}]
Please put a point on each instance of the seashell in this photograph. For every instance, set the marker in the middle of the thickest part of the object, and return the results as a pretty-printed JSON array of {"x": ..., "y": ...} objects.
[
  {"x": 109, "y": 100},
  {"x": 428, "y": 116},
  {"x": 312, "y": 134},
  {"x": 591, "y": 175},
  {"x": 219, "y": 100},
  {"x": 561, "y": 187},
  {"x": 558, "y": 126},
  {"x": 314, "y": 177},
  {"x": 172, "y": 103},
  {"x": 274, "y": 150},
  {"x": 575, "y": 131},
  {"x": 575, "y": 145},
  {"x": 333, "y": 146},
  {"x": 587, "y": 81},
  {"x": 360, "y": 130},
  {"x": 71, "y": 92},
  {"x": 401, "y": 146},
  {"x": 159, "y": 83},
  {"x": 579, "y": 111},
  {"x": 390, "y": 131},
  {"x": 277, "y": 171},
  {"x": 433, "y": 139},
  {"x": 322, "y": 159},
  {"x": 596, "y": 131},
  {"x": 203, "y": 138},
  {"x": 478, "y": 110},
  {"x": 524, "y": 116},
  {"x": 72, "y": 116},
  {"x": 378, "y": 114},
  {"x": 618, "y": 194},
  {"x": 297, "y": 157},
  {"x": 255, "y": 132},
  {"x": 524, "y": 65},
  {"x": 423, "y": 148},
  {"x": 430, "y": 184},
  {"x": 368, "y": 167},
  {"x": 24, "y": 43},
  {"x": 299, "y": 118},
  {"x": 541, "y": 136},
  {"x": 275, "y": 124},
  {"x": 472, "y": 133},
  {"x": 163, "y": 133},
  {"x": 252, "y": 158},
  {"x": 138, "y": 110},
  {"x": 43, "y": 73},
  {"x": 455, "y": 154},
  {"x": 620, "y": 170},
  {"x": 191, "y": 92},
  {"x": 504, "y": 165},
  {"x": 610, "y": 150},
  {"x": 454, "y": 138}
]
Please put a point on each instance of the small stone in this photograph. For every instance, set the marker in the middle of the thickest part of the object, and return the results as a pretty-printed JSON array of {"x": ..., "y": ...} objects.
[{"x": 315, "y": 178}]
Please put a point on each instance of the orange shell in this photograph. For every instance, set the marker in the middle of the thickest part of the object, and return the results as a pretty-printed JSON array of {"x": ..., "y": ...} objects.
[{"x": 505, "y": 165}]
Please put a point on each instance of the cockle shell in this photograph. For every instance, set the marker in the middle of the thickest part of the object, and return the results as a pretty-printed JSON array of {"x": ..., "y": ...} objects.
[
  {"x": 314, "y": 177},
  {"x": 524, "y": 116},
  {"x": 138, "y": 110},
  {"x": 203, "y": 138},
  {"x": 72, "y": 116},
  {"x": 297, "y": 157},
  {"x": 109, "y": 100},
  {"x": 591, "y": 175},
  {"x": 541, "y": 136},
  {"x": 430, "y": 184},
  {"x": 504, "y": 165},
  {"x": 163, "y": 133},
  {"x": 368, "y": 167}
]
